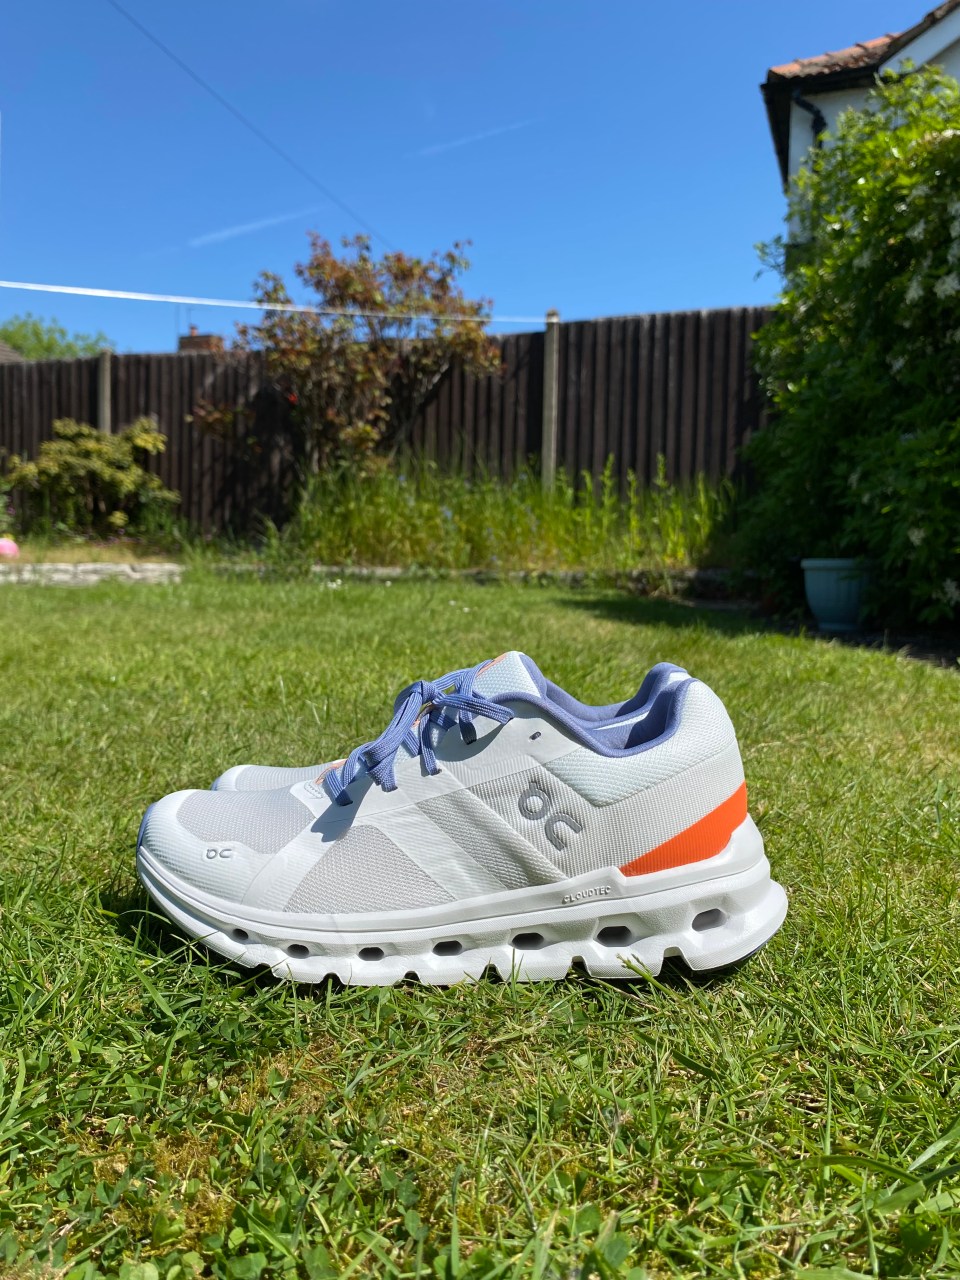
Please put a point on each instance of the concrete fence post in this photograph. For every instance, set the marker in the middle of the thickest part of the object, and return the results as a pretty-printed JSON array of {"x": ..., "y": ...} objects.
[
  {"x": 104, "y": 406},
  {"x": 551, "y": 400}
]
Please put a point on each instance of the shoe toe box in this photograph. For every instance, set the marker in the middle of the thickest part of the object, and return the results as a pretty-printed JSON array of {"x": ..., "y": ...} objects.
[{"x": 218, "y": 842}]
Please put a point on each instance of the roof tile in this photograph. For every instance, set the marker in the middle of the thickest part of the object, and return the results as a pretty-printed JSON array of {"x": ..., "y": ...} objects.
[
  {"x": 865, "y": 54},
  {"x": 862, "y": 56}
]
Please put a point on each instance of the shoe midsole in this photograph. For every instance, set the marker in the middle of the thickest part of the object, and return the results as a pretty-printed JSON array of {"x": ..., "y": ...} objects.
[{"x": 732, "y": 880}]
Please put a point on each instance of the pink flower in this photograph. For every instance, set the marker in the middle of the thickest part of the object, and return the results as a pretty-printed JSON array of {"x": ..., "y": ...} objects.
[{"x": 8, "y": 548}]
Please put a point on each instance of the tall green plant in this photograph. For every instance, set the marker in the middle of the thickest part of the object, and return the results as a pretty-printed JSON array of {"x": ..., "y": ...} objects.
[
  {"x": 419, "y": 515},
  {"x": 862, "y": 357}
]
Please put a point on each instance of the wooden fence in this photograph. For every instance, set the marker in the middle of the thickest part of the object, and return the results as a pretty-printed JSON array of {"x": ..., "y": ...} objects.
[
  {"x": 492, "y": 422},
  {"x": 680, "y": 384},
  {"x": 222, "y": 483}
]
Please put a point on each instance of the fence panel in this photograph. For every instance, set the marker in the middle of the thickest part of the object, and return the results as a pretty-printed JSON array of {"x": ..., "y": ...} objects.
[
  {"x": 677, "y": 384},
  {"x": 33, "y": 395},
  {"x": 489, "y": 423}
]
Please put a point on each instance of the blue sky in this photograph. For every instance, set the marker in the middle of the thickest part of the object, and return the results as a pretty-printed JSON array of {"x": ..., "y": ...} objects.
[{"x": 604, "y": 158}]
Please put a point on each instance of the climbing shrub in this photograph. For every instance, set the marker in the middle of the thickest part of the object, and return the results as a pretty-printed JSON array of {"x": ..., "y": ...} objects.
[{"x": 862, "y": 358}]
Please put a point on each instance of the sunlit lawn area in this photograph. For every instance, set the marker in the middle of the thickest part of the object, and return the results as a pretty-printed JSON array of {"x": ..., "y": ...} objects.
[{"x": 166, "y": 1115}]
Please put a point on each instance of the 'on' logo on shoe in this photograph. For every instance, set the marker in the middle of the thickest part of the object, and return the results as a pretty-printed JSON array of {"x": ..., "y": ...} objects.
[{"x": 536, "y": 805}]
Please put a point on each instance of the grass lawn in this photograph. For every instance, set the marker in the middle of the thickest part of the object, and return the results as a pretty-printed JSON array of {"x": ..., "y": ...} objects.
[{"x": 163, "y": 1114}]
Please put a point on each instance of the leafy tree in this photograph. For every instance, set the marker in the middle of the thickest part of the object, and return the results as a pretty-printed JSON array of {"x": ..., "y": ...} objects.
[
  {"x": 862, "y": 357},
  {"x": 357, "y": 379},
  {"x": 38, "y": 339}
]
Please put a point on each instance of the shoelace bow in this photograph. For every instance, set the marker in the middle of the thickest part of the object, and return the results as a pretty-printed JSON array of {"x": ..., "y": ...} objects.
[{"x": 421, "y": 715}]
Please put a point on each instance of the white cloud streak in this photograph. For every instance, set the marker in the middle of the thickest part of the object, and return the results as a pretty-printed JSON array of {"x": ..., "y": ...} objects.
[
  {"x": 248, "y": 228},
  {"x": 470, "y": 138}
]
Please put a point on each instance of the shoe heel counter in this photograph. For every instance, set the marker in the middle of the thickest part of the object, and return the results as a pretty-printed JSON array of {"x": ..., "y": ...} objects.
[
  {"x": 709, "y": 793},
  {"x": 712, "y": 738},
  {"x": 705, "y": 723}
]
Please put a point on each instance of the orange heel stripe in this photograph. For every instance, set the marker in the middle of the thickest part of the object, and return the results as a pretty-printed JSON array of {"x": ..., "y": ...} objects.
[{"x": 702, "y": 840}]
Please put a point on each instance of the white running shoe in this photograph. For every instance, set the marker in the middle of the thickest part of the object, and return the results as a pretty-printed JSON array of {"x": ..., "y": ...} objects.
[
  {"x": 261, "y": 777},
  {"x": 485, "y": 826}
]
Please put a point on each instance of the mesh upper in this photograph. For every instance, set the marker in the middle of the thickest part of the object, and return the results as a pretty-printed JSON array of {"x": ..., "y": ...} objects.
[
  {"x": 164, "y": 841},
  {"x": 615, "y": 833},
  {"x": 488, "y": 838},
  {"x": 533, "y": 824},
  {"x": 365, "y": 871},
  {"x": 264, "y": 821}
]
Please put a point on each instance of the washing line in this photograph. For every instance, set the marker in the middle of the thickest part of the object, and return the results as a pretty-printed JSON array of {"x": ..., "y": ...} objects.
[{"x": 126, "y": 295}]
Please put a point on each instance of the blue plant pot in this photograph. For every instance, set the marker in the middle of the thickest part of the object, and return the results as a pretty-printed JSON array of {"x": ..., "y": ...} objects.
[{"x": 834, "y": 591}]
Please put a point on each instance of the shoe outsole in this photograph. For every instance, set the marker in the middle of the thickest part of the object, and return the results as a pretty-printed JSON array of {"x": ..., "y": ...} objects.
[{"x": 617, "y": 929}]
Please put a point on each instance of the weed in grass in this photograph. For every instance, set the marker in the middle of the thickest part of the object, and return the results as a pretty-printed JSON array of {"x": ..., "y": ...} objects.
[
  {"x": 417, "y": 515},
  {"x": 164, "y": 1115}
]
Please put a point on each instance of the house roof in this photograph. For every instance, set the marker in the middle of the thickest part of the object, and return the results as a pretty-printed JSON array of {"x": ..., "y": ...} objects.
[
  {"x": 8, "y": 355},
  {"x": 868, "y": 53},
  {"x": 847, "y": 68}
]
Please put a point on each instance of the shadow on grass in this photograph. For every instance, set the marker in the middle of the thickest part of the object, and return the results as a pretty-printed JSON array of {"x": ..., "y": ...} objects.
[
  {"x": 939, "y": 648},
  {"x": 650, "y": 611}
]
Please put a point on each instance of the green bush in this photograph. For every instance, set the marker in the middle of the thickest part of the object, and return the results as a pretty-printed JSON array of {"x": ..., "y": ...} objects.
[
  {"x": 88, "y": 482},
  {"x": 6, "y": 507},
  {"x": 862, "y": 358},
  {"x": 421, "y": 516}
]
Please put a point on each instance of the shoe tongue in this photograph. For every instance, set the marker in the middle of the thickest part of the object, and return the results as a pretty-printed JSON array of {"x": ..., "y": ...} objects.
[{"x": 512, "y": 672}]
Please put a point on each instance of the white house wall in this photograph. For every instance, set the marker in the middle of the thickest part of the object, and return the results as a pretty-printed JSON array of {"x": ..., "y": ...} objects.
[
  {"x": 948, "y": 57},
  {"x": 801, "y": 122},
  {"x": 933, "y": 46}
]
